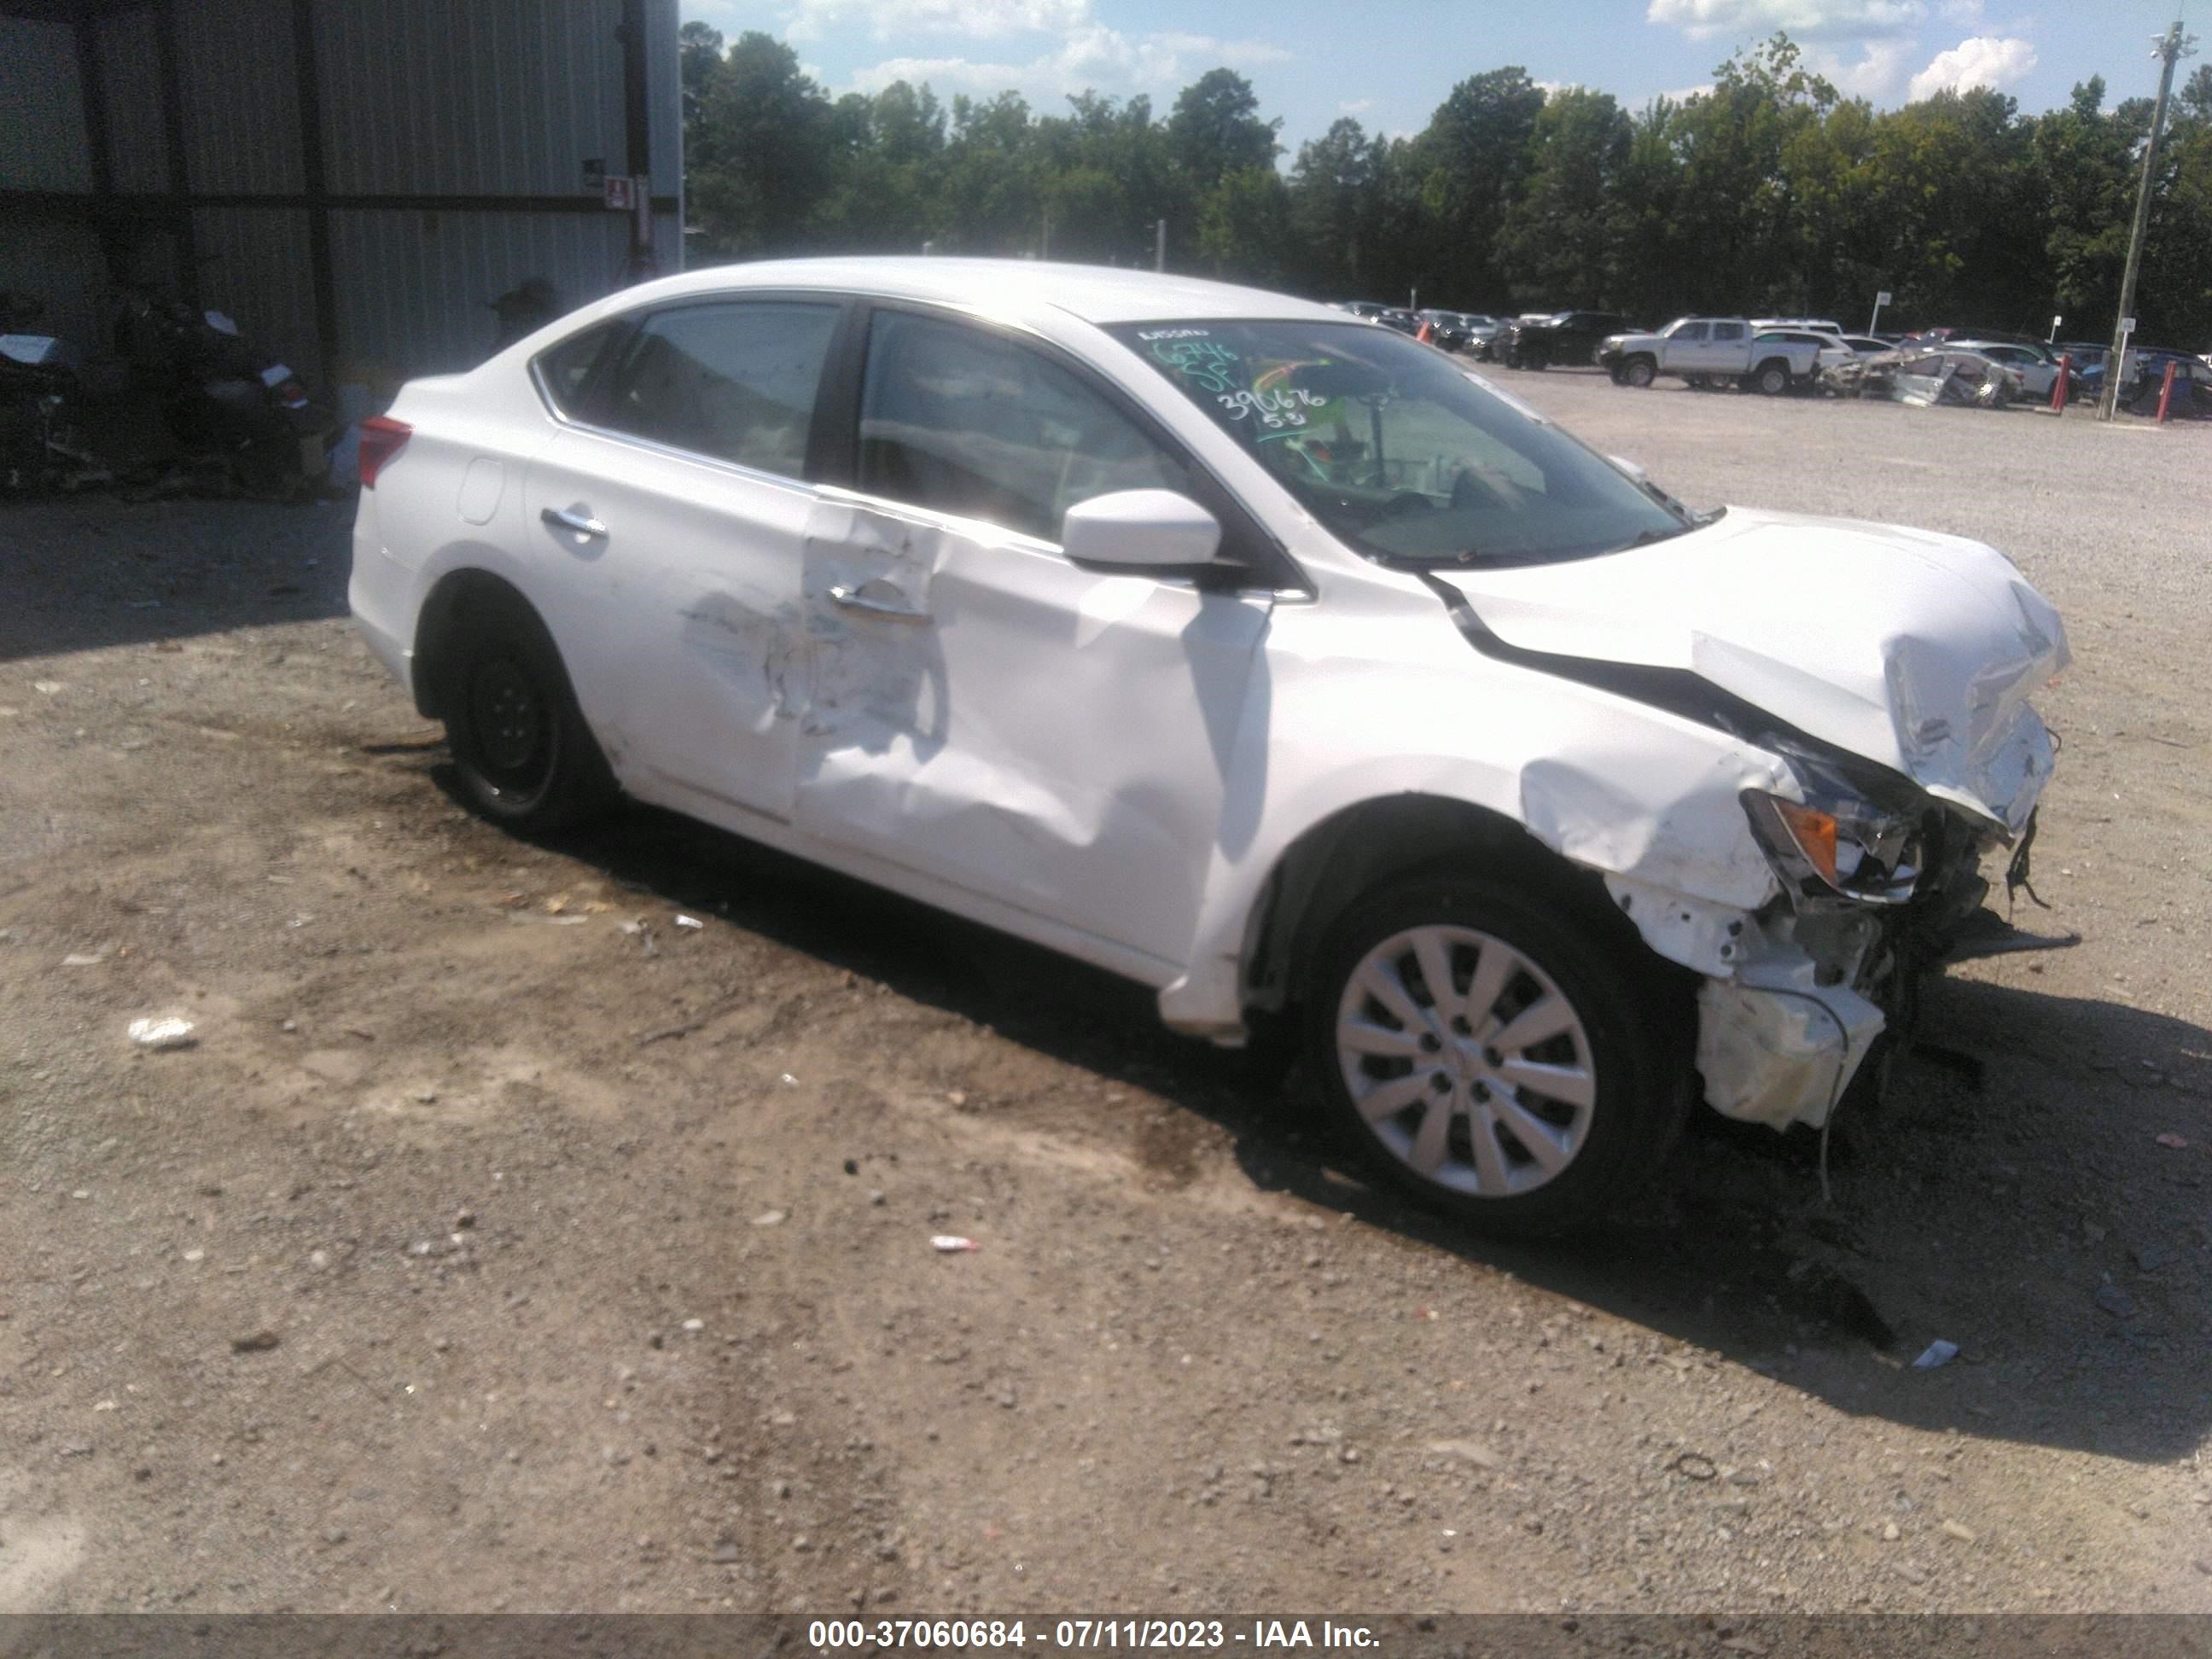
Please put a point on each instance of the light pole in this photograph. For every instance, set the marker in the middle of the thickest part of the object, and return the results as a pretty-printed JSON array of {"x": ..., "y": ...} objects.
[{"x": 2170, "y": 47}]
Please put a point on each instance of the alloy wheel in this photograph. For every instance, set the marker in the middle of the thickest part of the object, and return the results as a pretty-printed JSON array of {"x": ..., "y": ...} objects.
[{"x": 1466, "y": 1061}]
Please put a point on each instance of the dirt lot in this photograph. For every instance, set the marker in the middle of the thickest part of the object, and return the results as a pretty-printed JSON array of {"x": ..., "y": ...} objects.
[{"x": 486, "y": 1254}]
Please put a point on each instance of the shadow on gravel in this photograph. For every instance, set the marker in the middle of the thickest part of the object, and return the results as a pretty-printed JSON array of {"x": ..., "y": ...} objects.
[
  {"x": 78, "y": 575},
  {"x": 2030, "y": 1215}
]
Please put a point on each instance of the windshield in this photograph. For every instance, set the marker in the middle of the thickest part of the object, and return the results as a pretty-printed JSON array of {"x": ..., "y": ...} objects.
[{"x": 1397, "y": 451}]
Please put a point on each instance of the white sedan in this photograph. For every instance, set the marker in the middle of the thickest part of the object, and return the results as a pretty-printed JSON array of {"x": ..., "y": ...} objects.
[{"x": 1253, "y": 653}]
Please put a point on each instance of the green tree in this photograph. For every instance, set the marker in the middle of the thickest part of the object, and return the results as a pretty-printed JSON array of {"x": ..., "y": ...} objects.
[
  {"x": 1244, "y": 226},
  {"x": 764, "y": 155},
  {"x": 1215, "y": 130},
  {"x": 1561, "y": 240},
  {"x": 1335, "y": 208}
]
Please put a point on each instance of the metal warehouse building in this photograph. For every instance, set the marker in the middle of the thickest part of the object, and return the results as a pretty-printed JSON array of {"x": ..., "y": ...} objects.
[{"x": 351, "y": 180}]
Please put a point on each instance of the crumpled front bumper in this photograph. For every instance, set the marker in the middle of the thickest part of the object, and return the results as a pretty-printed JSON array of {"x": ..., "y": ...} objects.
[{"x": 1775, "y": 1048}]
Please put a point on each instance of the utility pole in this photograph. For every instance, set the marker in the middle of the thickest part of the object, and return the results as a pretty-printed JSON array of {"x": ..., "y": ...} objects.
[
  {"x": 1160, "y": 246},
  {"x": 2170, "y": 47}
]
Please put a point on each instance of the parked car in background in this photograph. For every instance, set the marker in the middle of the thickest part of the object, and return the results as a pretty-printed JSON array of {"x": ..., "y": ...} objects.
[
  {"x": 1399, "y": 317},
  {"x": 1709, "y": 350},
  {"x": 1565, "y": 337},
  {"x": 2037, "y": 367},
  {"x": 1232, "y": 646},
  {"x": 1818, "y": 324},
  {"x": 1447, "y": 330},
  {"x": 1830, "y": 348}
]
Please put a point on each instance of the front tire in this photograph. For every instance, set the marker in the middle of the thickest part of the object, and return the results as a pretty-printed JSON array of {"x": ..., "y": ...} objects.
[
  {"x": 1639, "y": 372},
  {"x": 1507, "y": 1053},
  {"x": 527, "y": 759}
]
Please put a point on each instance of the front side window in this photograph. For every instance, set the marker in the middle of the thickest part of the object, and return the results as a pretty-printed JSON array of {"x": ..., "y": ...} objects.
[
  {"x": 1397, "y": 451},
  {"x": 734, "y": 381},
  {"x": 970, "y": 424},
  {"x": 1686, "y": 330}
]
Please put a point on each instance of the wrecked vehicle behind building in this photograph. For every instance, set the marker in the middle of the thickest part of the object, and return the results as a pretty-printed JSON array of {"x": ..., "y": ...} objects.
[{"x": 1255, "y": 654}]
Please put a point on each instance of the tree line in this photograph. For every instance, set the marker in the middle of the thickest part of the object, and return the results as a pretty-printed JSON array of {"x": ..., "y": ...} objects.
[{"x": 1768, "y": 193}]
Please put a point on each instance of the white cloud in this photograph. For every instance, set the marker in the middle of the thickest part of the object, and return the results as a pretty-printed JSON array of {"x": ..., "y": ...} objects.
[
  {"x": 1960, "y": 11},
  {"x": 1803, "y": 19},
  {"x": 974, "y": 20},
  {"x": 1355, "y": 106},
  {"x": 1878, "y": 74},
  {"x": 1982, "y": 60},
  {"x": 1091, "y": 58}
]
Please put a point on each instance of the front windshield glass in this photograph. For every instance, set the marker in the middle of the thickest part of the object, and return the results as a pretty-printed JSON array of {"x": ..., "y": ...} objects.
[{"x": 1396, "y": 450}]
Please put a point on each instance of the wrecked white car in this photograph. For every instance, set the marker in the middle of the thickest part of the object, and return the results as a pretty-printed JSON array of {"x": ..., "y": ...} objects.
[{"x": 1245, "y": 649}]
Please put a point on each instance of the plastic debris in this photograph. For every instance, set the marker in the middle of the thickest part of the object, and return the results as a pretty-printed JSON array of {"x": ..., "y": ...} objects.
[
  {"x": 2175, "y": 1142},
  {"x": 171, "y": 1033},
  {"x": 84, "y": 959},
  {"x": 951, "y": 1243},
  {"x": 770, "y": 1218},
  {"x": 689, "y": 921},
  {"x": 1938, "y": 1353}
]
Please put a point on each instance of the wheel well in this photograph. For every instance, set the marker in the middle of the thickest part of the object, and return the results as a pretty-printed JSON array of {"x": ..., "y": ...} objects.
[
  {"x": 1363, "y": 847},
  {"x": 434, "y": 627},
  {"x": 1782, "y": 363}
]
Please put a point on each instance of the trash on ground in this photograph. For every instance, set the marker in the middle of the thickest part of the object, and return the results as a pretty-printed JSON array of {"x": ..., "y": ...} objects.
[
  {"x": 1938, "y": 1353},
  {"x": 84, "y": 959},
  {"x": 260, "y": 1342},
  {"x": 171, "y": 1033},
  {"x": 771, "y": 1218},
  {"x": 2170, "y": 1140},
  {"x": 689, "y": 921},
  {"x": 951, "y": 1243}
]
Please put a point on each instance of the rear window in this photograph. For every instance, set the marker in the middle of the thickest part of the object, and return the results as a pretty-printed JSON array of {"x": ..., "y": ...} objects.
[{"x": 565, "y": 371}]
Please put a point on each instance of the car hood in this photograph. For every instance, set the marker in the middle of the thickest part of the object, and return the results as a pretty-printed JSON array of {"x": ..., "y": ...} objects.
[{"x": 1915, "y": 650}]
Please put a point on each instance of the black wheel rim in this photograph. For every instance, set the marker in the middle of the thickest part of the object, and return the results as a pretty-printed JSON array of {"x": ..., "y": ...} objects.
[{"x": 511, "y": 724}]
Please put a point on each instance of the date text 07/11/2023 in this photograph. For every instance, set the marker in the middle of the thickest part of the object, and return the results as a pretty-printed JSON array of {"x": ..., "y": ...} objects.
[{"x": 1097, "y": 1635}]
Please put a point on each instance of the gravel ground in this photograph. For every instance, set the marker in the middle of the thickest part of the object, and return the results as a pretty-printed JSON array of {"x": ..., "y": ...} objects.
[{"x": 503, "y": 1243}]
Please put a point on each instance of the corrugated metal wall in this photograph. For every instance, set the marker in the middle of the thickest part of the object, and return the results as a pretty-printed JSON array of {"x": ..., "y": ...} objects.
[
  {"x": 42, "y": 137},
  {"x": 138, "y": 149},
  {"x": 416, "y": 98},
  {"x": 500, "y": 97},
  {"x": 428, "y": 308}
]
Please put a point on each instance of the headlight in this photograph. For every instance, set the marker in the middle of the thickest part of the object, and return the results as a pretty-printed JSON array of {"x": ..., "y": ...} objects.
[{"x": 1835, "y": 843}]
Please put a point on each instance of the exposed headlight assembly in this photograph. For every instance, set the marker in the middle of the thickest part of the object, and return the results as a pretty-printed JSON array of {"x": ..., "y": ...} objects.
[{"x": 1835, "y": 843}]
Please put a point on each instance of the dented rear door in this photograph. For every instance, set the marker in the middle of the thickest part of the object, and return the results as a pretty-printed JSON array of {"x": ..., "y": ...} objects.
[{"x": 688, "y": 480}]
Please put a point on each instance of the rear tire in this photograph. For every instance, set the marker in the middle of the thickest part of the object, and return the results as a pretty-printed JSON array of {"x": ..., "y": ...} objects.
[
  {"x": 1771, "y": 378},
  {"x": 527, "y": 759},
  {"x": 1533, "y": 1094}
]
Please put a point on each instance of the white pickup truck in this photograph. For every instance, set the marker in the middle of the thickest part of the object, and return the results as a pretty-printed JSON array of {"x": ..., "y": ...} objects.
[{"x": 1711, "y": 349}]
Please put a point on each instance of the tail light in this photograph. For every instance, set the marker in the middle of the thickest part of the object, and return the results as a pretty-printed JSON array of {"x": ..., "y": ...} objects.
[
  {"x": 381, "y": 439},
  {"x": 292, "y": 394}
]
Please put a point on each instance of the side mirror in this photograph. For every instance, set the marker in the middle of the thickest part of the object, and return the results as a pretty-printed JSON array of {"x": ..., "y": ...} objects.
[
  {"x": 1623, "y": 465},
  {"x": 1140, "y": 529}
]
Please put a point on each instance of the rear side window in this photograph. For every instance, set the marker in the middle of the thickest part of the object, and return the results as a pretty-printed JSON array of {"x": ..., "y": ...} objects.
[
  {"x": 970, "y": 424},
  {"x": 1728, "y": 331},
  {"x": 565, "y": 370},
  {"x": 732, "y": 380}
]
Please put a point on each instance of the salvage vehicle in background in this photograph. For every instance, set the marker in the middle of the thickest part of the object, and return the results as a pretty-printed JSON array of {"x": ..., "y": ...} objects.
[
  {"x": 1709, "y": 349},
  {"x": 1258, "y": 654},
  {"x": 1565, "y": 337},
  {"x": 2037, "y": 367}
]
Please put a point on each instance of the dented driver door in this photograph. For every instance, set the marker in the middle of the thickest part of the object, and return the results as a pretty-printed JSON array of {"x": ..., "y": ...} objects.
[{"x": 985, "y": 712}]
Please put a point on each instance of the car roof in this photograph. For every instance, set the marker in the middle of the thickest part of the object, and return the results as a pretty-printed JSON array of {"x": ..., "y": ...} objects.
[{"x": 1010, "y": 288}]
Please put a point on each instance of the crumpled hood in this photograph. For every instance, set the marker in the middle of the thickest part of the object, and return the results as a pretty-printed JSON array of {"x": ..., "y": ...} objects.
[{"x": 1913, "y": 649}]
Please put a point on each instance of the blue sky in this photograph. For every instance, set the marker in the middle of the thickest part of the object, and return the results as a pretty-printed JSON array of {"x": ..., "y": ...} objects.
[{"x": 1391, "y": 65}]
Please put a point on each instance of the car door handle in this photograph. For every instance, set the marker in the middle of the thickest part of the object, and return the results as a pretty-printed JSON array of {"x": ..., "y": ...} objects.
[
  {"x": 855, "y": 598},
  {"x": 583, "y": 524}
]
